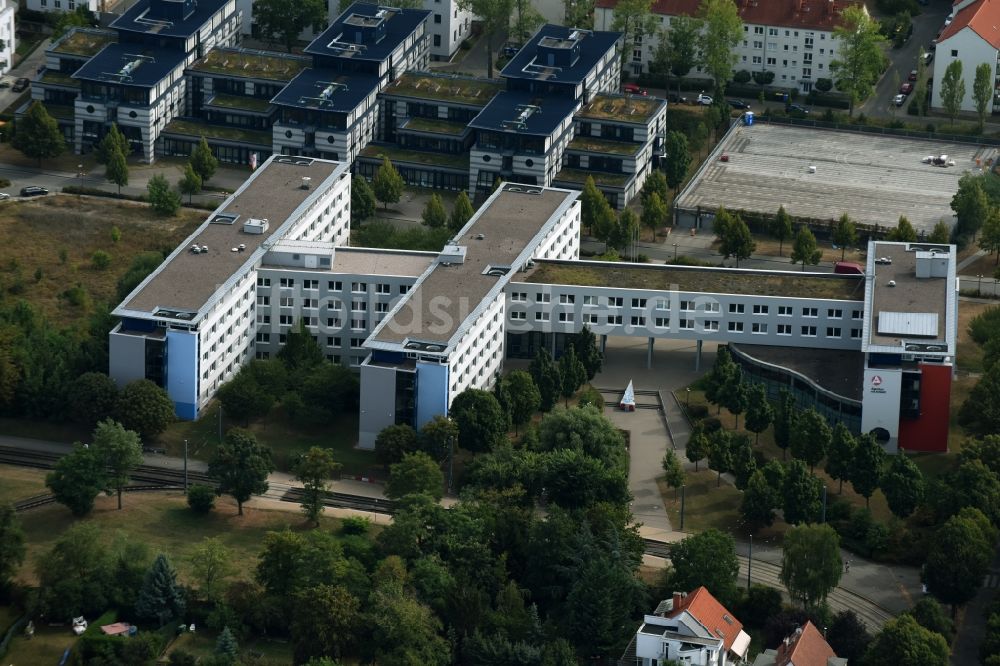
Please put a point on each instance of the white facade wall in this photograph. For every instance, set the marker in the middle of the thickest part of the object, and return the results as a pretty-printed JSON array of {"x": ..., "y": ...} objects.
[
  {"x": 362, "y": 124},
  {"x": 972, "y": 50},
  {"x": 63, "y": 5},
  {"x": 8, "y": 36},
  {"x": 225, "y": 337},
  {"x": 478, "y": 355},
  {"x": 542, "y": 167},
  {"x": 447, "y": 27}
]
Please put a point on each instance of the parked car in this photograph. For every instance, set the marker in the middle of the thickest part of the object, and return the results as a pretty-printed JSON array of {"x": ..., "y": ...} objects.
[
  {"x": 33, "y": 191},
  {"x": 21, "y": 84},
  {"x": 4, "y": 196},
  {"x": 912, "y": 76},
  {"x": 795, "y": 109},
  {"x": 510, "y": 50},
  {"x": 883, "y": 260},
  {"x": 899, "y": 100},
  {"x": 928, "y": 56},
  {"x": 703, "y": 99},
  {"x": 674, "y": 98},
  {"x": 634, "y": 89},
  {"x": 738, "y": 104},
  {"x": 906, "y": 88},
  {"x": 4, "y": 84}
]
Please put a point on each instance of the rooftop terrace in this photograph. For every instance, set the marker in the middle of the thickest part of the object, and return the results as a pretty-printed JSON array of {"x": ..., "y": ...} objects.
[
  {"x": 621, "y": 108},
  {"x": 83, "y": 42},
  {"x": 699, "y": 280},
  {"x": 250, "y": 64},
  {"x": 592, "y": 145},
  {"x": 428, "y": 158},
  {"x": 367, "y": 261},
  {"x": 197, "y": 128},
  {"x": 455, "y": 89}
]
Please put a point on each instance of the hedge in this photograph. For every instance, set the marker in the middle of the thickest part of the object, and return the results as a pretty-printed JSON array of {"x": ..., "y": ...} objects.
[{"x": 832, "y": 100}]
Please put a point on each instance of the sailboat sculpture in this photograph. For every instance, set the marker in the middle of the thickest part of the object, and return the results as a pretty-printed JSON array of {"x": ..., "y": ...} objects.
[{"x": 627, "y": 403}]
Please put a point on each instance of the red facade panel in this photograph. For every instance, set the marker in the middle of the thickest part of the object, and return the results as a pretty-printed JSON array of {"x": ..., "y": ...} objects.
[{"x": 930, "y": 431}]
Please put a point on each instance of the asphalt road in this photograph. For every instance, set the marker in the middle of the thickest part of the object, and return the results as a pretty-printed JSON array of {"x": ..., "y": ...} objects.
[{"x": 27, "y": 68}]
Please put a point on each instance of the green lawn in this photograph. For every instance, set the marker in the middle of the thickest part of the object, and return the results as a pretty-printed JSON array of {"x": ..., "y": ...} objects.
[
  {"x": 706, "y": 505},
  {"x": 201, "y": 644},
  {"x": 17, "y": 483},
  {"x": 46, "y": 647}
]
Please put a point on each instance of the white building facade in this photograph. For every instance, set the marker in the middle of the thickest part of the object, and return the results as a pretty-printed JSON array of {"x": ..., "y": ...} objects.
[
  {"x": 972, "y": 38},
  {"x": 8, "y": 36},
  {"x": 64, "y": 5}
]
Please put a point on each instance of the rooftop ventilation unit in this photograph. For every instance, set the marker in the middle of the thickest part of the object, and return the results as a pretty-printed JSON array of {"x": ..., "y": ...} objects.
[
  {"x": 132, "y": 63},
  {"x": 255, "y": 226},
  {"x": 224, "y": 218},
  {"x": 325, "y": 95},
  {"x": 305, "y": 182}
]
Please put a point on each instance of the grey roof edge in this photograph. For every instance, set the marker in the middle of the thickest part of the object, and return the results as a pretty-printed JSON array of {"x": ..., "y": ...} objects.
[{"x": 253, "y": 258}]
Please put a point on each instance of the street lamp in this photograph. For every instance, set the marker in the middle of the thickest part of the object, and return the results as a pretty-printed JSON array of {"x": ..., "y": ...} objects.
[
  {"x": 675, "y": 251},
  {"x": 688, "y": 399},
  {"x": 979, "y": 286}
]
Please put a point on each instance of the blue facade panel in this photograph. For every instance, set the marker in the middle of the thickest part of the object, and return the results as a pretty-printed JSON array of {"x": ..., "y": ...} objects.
[
  {"x": 144, "y": 325},
  {"x": 182, "y": 373},
  {"x": 432, "y": 392}
]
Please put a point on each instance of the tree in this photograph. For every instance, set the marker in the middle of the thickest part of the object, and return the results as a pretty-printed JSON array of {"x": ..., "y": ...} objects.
[
  {"x": 866, "y": 471},
  {"x": 161, "y": 599},
  {"x": 211, "y": 564},
  {"x": 655, "y": 183},
  {"x": 81, "y": 17},
  {"x": 387, "y": 184},
  {"x": 860, "y": 49},
  {"x": 12, "y": 548},
  {"x": 982, "y": 91},
  {"x": 525, "y": 398},
  {"x": 461, "y": 212},
  {"x": 326, "y": 621},
  {"x": 37, "y": 134},
  {"x": 801, "y": 493},
  {"x": 121, "y": 452},
  {"x": 677, "y": 50},
  {"x": 545, "y": 374},
  {"x": 313, "y": 469},
  {"x": 810, "y": 437},
  {"x": 633, "y": 19},
  {"x": 202, "y": 160},
  {"x": 596, "y": 213},
  {"x": 737, "y": 241},
  {"x": 434, "y": 215},
  {"x": 985, "y": 450},
  {"x": 437, "y": 437},
  {"x": 243, "y": 398},
  {"x": 112, "y": 141},
  {"x": 903, "y": 642},
  {"x": 626, "y": 232},
  {"x": 654, "y": 213},
  {"x": 415, "y": 473},
  {"x": 848, "y": 636},
  {"x": 241, "y": 467},
  {"x": 282, "y": 21},
  {"x": 952, "y": 89},
  {"x": 720, "y": 453},
  {"x": 404, "y": 631},
  {"x": 579, "y": 14},
  {"x": 844, "y": 234},
  {"x": 929, "y": 614},
  {"x": 698, "y": 447},
  {"x": 678, "y": 154},
  {"x": 301, "y": 353},
  {"x": 940, "y": 234},
  {"x": 572, "y": 374},
  {"x": 362, "y": 200},
  {"x": 226, "y": 645},
  {"x": 733, "y": 395},
  {"x": 144, "y": 407},
  {"x": 904, "y": 231},
  {"x": 971, "y": 206},
  {"x": 840, "y": 456},
  {"x": 673, "y": 473},
  {"x": 481, "y": 422},
  {"x": 588, "y": 351},
  {"x": 759, "y": 501},
  {"x": 707, "y": 559},
  {"x": 903, "y": 485},
  {"x": 116, "y": 169},
  {"x": 76, "y": 480},
  {"x": 744, "y": 464},
  {"x": 495, "y": 17},
  {"x": 92, "y": 398},
  {"x": 972, "y": 485},
  {"x": 759, "y": 411},
  {"x": 393, "y": 442},
  {"x": 722, "y": 31},
  {"x": 810, "y": 563},
  {"x": 781, "y": 227},
  {"x": 190, "y": 184},
  {"x": 805, "y": 250},
  {"x": 957, "y": 560},
  {"x": 201, "y": 498},
  {"x": 162, "y": 199},
  {"x": 722, "y": 369}
]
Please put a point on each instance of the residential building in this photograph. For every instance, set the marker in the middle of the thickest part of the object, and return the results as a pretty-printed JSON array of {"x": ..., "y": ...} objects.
[
  {"x": 805, "y": 647},
  {"x": 65, "y": 5},
  {"x": 973, "y": 37},
  {"x": 8, "y": 36},
  {"x": 791, "y": 38},
  {"x": 448, "y": 27},
  {"x": 692, "y": 628}
]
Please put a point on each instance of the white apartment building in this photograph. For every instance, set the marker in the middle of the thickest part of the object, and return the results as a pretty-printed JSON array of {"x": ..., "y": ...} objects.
[
  {"x": 8, "y": 36},
  {"x": 448, "y": 27},
  {"x": 64, "y": 5},
  {"x": 792, "y": 38},
  {"x": 974, "y": 38}
]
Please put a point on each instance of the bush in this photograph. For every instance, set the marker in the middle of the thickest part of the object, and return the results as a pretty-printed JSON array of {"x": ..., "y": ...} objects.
[
  {"x": 100, "y": 260},
  {"x": 201, "y": 498},
  {"x": 4, "y": 182},
  {"x": 696, "y": 412},
  {"x": 77, "y": 296},
  {"x": 983, "y": 325},
  {"x": 355, "y": 525},
  {"x": 591, "y": 396},
  {"x": 711, "y": 425}
]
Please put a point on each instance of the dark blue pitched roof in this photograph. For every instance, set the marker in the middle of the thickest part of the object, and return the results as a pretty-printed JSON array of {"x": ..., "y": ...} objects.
[
  {"x": 306, "y": 90},
  {"x": 504, "y": 110},
  {"x": 130, "y": 65},
  {"x": 375, "y": 31},
  {"x": 170, "y": 18},
  {"x": 560, "y": 55}
]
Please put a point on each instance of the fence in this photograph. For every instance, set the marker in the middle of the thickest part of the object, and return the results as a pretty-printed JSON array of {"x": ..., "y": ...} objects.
[
  {"x": 973, "y": 285},
  {"x": 885, "y": 131},
  {"x": 11, "y": 632}
]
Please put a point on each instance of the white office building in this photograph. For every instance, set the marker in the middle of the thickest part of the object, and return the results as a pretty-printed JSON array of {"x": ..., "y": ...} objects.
[
  {"x": 65, "y": 5},
  {"x": 8, "y": 36}
]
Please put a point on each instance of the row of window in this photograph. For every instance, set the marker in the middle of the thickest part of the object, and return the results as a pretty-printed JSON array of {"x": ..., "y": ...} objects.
[
  {"x": 313, "y": 303},
  {"x": 333, "y": 285},
  {"x": 331, "y": 341}
]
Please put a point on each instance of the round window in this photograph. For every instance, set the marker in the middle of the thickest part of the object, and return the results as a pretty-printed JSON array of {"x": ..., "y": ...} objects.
[
  {"x": 132, "y": 114},
  {"x": 288, "y": 134},
  {"x": 330, "y": 139},
  {"x": 90, "y": 108},
  {"x": 486, "y": 158},
  {"x": 529, "y": 162}
]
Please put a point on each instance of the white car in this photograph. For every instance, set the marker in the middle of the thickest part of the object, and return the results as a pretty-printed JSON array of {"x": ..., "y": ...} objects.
[
  {"x": 899, "y": 100},
  {"x": 883, "y": 260},
  {"x": 4, "y": 195},
  {"x": 704, "y": 100}
]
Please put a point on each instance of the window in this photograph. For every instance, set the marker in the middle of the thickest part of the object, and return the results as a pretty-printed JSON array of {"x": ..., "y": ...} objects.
[
  {"x": 310, "y": 284},
  {"x": 437, "y": 40},
  {"x": 757, "y": 60},
  {"x": 286, "y": 320},
  {"x": 662, "y": 304},
  {"x": 855, "y": 334},
  {"x": 855, "y": 314},
  {"x": 335, "y": 305},
  {"x": 334, "y": 285},
  {"x": 332, "y": 341},
  {"x": 286, "y": 301},
  {"x": 615, "y": 301},
  {"x": 263, "y": 319},
  {"x": 758, "y": 328},
  {"x": 437, "y": 18},
  {"x": 263, "y": 337},
  {"x": 784, "y": 329},
  {"x": 310, "y": 303},
  {"x": 735, "y": 308},
  {"x": 834, "y": 313},
  {"x": 758, "y": 30},
  {"x": 358, "y": 324},
  {"x": 566, "y": 317},
  {"x": 772, "y": 32},
  {"x": 519, "y": 297},
  {"x": 519, "y": 315},
  {"x": 542, "y": 298},
  {"x": 541, "y": 316},
  {"x": 615, "y": 320},
  {"x": 382, "y": 288},
  {"x": 590, "y": 300},
  {"x": 359, "y": 287},
  {"x": 687, "y": 306},
  {"x": 357, "y": 342},
  {"x": 637, "y": 54},
  {"x": 359, "y": 306},
  {"x": 810, "y": 312},
  {"x": 287, "y": 282},
  {"x": 567, "y": 299},
  {"x": 833, "y": 331},
  {"x": 712, "y": 325},
  {"x": 686, "y": 324},
  {"x": 382, "y": 307},
  {"x": 809, "y": 331},
  {"x": 263, "y": 300},
  {"x": 662, "y": 322},
  {"x": 735, "y": 327},
  {"x": 772, "y": 62},
  {"x": 638, "y": 302},
  {"x": 404, "y": 289},
  {"x": 333, "y": 322},
  {"x": 954, "y": 53},
  {"x": 638, "y": 321},
  {"x": 758, "y": 45},
  {"x": 713, "y": 307},
  {"x": 760, "y": 309},
  {"x": 784, "y": 310},
  {"x": 263, "y": 282},
  {"x": 589, "y": 319}
]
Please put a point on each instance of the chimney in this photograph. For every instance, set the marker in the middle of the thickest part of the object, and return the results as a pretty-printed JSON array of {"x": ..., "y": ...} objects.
[
  {"x": 678, "y": 597},
  {"x": 830, "y": 7},
  {"x": 305, "y": 182}
]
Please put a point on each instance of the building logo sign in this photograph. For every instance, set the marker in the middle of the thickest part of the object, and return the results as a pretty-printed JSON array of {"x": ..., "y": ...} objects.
[{"x": 877, "y": 384}]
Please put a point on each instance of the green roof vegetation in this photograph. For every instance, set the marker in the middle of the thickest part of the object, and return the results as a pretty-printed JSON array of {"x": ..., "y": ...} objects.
[
  {"x": 397, "y": 155},
  {"x": 240, "y": 102},
  {"x": 600, "y": 177},
  {"x": 622, "y": 108},
  {"x": 196, "y": 129},
  {"x": 701, "y": 280},
  {"x": 462, "y": 90},
  {"x": 251, "y": 65},
  {"x": 59, "y": 78},
  {"x": 62, "y": 111},
  {"x": 604, "y": 146},
  {"x": 437, "y": 126},
  {"x": 84, "y": 43}
]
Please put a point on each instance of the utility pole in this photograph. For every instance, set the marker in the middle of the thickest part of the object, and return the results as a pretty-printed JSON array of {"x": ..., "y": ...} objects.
[
  {"x": 822, "y": 517},
  {"x": 749, "y": 562},
  {"x": 682, "y": 507},
  {"x": 185, "y": 466},
  {"x": 451, "y": 460},
  {"x": 220, "y": 423}
]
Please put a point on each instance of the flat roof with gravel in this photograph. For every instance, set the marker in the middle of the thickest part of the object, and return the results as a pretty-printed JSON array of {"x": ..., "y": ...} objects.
[{"x": 872, "y": 178}]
